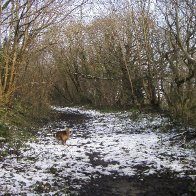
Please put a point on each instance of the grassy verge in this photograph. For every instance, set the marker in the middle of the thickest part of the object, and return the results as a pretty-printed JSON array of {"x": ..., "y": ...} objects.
[{"x": 19, "y": 124}]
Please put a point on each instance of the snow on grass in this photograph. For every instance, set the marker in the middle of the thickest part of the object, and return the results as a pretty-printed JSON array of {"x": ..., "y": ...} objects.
[{"x": 105, "y": 144}]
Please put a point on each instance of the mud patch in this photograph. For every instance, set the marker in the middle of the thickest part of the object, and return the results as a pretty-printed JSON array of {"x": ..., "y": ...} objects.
[{"x": 132, "y": 186}]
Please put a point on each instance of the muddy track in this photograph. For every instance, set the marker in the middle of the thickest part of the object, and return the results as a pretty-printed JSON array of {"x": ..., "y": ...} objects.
[
  {"x": 107, "y": 154},
  {"x": 133, "y": 186}
]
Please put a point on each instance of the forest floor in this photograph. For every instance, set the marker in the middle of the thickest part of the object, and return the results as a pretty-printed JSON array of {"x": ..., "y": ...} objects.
[{"x": 107, "y": 154}]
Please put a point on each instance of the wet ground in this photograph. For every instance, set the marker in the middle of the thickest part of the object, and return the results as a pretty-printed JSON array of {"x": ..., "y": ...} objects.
[{"x": 107, "y": 154}]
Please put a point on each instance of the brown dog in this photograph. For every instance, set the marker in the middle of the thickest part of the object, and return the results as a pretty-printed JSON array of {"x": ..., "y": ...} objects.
[{"x": 63, "y": 135}]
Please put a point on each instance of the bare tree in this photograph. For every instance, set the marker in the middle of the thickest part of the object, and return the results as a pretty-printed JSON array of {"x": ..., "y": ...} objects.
[
  {"x": 22, "y": 22},
  {"x": 179, "y": 51}
]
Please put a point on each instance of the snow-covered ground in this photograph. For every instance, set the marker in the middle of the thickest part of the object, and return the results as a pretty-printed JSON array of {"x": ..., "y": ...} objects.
[{"x": 101, "y": 144}]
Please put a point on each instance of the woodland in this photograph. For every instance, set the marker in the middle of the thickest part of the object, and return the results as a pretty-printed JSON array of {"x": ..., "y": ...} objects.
[
  {"x": 120, "y": 74},
  {"x": 106, "y": 54}
]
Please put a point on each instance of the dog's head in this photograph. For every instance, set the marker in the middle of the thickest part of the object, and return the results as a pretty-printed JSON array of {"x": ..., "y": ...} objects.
[{"x": 68, "y": 130}]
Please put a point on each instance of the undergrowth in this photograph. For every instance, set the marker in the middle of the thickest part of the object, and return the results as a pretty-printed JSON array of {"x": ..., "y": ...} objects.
[{"x": 19, "y": 124}]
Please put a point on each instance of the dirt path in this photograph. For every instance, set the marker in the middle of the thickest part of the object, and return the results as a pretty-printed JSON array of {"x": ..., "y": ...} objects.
[
  {"x": 108, "y": 154},
  {"x": 154, "y": 185}
]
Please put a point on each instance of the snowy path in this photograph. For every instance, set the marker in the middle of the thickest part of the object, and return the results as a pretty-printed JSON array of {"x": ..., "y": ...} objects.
[{"x": 101, "y": 144}]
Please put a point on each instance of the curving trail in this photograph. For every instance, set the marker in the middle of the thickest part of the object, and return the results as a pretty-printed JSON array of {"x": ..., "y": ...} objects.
[{"x": 107, "y": 154}]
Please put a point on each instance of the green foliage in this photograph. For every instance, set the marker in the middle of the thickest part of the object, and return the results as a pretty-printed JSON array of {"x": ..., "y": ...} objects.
[
  {"x": 4, "y": 131},
  {"x": 18, "y": 124},
  {"x": 135, "y": 114},
  {"x": 26, "y": 116},
  {"x": 4, "y": 128}
]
